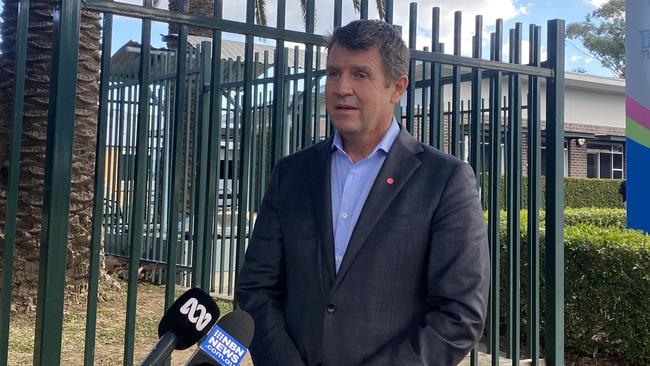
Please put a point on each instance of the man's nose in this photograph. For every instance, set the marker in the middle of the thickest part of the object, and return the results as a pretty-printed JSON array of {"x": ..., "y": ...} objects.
[{"x": 343, "y": 86}]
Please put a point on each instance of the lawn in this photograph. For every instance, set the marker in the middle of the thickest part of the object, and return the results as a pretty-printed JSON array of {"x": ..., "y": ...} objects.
[{"x": 111, "y": 319}]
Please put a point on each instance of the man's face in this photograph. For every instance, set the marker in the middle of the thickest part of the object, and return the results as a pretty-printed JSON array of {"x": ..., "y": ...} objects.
[{"x": 358, "y": 96}]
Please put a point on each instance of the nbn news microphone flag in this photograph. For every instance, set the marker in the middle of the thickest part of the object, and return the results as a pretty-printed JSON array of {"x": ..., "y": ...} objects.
[{"x": 227, "y": 343}]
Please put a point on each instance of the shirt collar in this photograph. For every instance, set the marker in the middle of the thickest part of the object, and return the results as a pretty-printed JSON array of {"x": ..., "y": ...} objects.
[{"x": 385, "y": 144}]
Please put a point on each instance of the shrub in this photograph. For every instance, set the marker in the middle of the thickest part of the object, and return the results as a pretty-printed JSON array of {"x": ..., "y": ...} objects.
[
  {"x": 607, "y": 289},
  {"x": 581, "y": 192},
  {"x": 578, "y": 192},
  {"x": 602, "y": 217}
]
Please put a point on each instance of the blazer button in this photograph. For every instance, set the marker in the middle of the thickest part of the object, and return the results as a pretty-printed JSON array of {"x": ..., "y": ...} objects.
[{"x": 331, "y": 308}]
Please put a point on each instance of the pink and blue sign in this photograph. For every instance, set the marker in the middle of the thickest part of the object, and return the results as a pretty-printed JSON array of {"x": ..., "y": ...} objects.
[{"x": 637, "y": 110}]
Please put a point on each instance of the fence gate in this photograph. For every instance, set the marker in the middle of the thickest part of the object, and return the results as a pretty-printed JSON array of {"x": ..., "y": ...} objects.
[{"x": 187, "y": 136}]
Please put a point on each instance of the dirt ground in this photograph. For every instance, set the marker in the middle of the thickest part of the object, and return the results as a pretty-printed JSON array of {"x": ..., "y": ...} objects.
[
  {"x": 109, "y": 339},
  {"x": 111, "y": 319}
]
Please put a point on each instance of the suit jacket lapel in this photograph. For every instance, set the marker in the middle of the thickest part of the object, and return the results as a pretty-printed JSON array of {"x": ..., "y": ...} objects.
[
  {"x": 399, "y": 165},
  {"x": 322, "y": 205}
]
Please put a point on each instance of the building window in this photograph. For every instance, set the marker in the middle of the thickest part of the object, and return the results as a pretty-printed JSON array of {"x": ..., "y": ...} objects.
[
  {"x": 486, "y": 157},
  {"x": 605, "y": 160},
  {"x": 566, "y": 159}
]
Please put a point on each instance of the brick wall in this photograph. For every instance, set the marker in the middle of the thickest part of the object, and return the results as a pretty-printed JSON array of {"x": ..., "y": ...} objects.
[
  {"x": 577, "y": 154},
  {"x": 577, "y": 159}
]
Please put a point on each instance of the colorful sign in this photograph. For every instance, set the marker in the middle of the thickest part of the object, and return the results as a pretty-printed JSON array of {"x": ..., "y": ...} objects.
[{"x": 637, "y": 110}]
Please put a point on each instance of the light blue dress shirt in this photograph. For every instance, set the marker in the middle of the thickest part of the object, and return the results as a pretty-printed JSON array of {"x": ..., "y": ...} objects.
[{"x": 350, "y": 184}]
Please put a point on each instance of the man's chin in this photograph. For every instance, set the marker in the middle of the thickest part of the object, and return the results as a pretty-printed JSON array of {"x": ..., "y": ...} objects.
[{"x": 346, "y": 128}]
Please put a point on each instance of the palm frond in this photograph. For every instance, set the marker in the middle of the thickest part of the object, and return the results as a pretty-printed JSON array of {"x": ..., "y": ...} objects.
[
  {"x": 303, "y": 7},
  {"x": 357, "y": 5},
  {"x": 260, "y": 12},
  {"x": 381, "y": 9}
]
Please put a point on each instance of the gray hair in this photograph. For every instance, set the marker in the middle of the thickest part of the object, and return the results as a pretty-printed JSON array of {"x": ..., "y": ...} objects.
[{"x": 365, "y": 34}]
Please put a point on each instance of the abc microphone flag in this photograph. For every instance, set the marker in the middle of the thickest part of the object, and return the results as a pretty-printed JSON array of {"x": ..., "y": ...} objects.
[
  {"x": 227, "y": 343},
  {"x": 188, "y": 319}
]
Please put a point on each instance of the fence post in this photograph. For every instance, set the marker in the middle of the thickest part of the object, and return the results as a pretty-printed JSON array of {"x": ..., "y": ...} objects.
[
  {"x": 245, "y": 146},
  {"x": 175, "y": 173},
  {"x": 139, "y": 191},
  {"x": 98, "y": 201},
  {"x": 56, "y": 194},
  {"x": 456, "y": 116},
  {"x": 202, "y": 205},
  {"x": 278, "y": 112},
  {"x": 555, "y": 196},
  {"x": 534, "y": 197},
  {"x": 307, "y": 110},
  {"x": 476, "y": 126},
  {"x": 494, "y": 204},
  {"x": 22, "y": 23},
  {"x": 410, "y": 90}
]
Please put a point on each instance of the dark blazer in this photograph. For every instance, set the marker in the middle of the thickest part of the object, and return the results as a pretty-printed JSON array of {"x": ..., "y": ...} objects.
[{"x": 412, "y": 287}]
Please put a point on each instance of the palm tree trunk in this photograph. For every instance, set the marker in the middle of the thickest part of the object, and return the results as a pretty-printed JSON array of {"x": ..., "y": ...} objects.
[{"x": 32, "y": 162}]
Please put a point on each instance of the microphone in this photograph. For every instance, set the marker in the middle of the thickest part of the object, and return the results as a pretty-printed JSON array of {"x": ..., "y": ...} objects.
[
  {"x": 187, "y": 320},
  {"x": 227, "y": 343}
]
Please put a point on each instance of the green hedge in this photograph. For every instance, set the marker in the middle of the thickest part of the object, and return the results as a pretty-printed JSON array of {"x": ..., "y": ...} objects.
[
  {"x": 578, "y": 192},
  {"x": 607, "y": 291},
  {"x": 607, "y": 288},
  {"x": 602, "y": 217}
]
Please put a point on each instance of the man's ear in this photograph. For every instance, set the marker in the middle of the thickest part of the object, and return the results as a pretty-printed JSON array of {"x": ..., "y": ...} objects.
[{"x": 399, "y": 87}]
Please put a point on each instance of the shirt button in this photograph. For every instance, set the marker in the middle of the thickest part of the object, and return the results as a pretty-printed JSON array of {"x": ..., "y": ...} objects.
[
  {"x": 344, "y": 215},
  {"x": 331, "y": 308}
]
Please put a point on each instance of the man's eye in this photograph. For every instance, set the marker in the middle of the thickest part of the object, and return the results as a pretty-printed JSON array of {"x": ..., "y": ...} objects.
[
  {"x": 361, "y": 75},
  {"x": 332, "y": 74}
]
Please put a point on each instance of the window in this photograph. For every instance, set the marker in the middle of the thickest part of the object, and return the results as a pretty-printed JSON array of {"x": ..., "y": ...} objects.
[
  {"x": 486, "y": 157},
  {"x": 566, "y": 159},
  {"x": 605, "y": 160}
]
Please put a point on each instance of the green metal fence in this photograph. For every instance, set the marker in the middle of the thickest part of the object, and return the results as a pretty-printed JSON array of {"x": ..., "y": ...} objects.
[{"x": 187, "y": 137}]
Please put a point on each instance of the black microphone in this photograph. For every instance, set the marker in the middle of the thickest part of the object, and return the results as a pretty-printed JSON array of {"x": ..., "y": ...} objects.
[
  {"x": 188, "y": 319},
  {"x": 227, "y": 343}
]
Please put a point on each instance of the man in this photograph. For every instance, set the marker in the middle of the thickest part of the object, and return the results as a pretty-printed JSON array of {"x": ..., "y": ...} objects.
[{"x": 370, "y": 248}]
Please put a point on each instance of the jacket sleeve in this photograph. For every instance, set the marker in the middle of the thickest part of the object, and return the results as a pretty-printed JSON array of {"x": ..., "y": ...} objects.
[
  {"x": 261, "y": 285},
  {"x": 458, "y": 279}
]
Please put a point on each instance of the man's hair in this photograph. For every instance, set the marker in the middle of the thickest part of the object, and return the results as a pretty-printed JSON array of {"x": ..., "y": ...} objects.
[{"x": 365, "y": 34}]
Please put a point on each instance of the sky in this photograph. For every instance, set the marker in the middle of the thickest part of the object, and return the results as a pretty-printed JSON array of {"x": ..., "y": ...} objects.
[{"x": 511, "y": 11}]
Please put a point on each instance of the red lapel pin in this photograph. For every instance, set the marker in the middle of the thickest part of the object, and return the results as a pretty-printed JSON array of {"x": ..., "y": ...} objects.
[{"x": 390, "y": 181}]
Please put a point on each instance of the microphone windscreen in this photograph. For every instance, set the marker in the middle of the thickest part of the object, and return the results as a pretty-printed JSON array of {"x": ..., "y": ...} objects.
[
  {"x": 227, "y": 343},
  {"x": 240, "y": 325},
  {"x": 190, "y": 317}
]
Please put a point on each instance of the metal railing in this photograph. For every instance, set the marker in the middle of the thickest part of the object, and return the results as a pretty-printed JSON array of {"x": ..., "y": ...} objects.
[{"x": 186, "y": 139}]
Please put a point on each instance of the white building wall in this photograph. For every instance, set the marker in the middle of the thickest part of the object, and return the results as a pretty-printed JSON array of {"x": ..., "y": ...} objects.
[{"x": 588, "y": 100}]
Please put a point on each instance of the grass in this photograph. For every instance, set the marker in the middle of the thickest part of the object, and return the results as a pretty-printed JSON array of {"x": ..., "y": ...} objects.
[{"x": 109, "y": 338}]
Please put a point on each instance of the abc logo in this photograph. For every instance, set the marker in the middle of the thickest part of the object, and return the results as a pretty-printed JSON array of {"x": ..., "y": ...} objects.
[{"x": 191, "y": 308}]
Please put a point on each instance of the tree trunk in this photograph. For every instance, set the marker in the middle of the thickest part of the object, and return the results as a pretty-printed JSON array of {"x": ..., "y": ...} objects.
[{"x": 32, "y": 160}]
